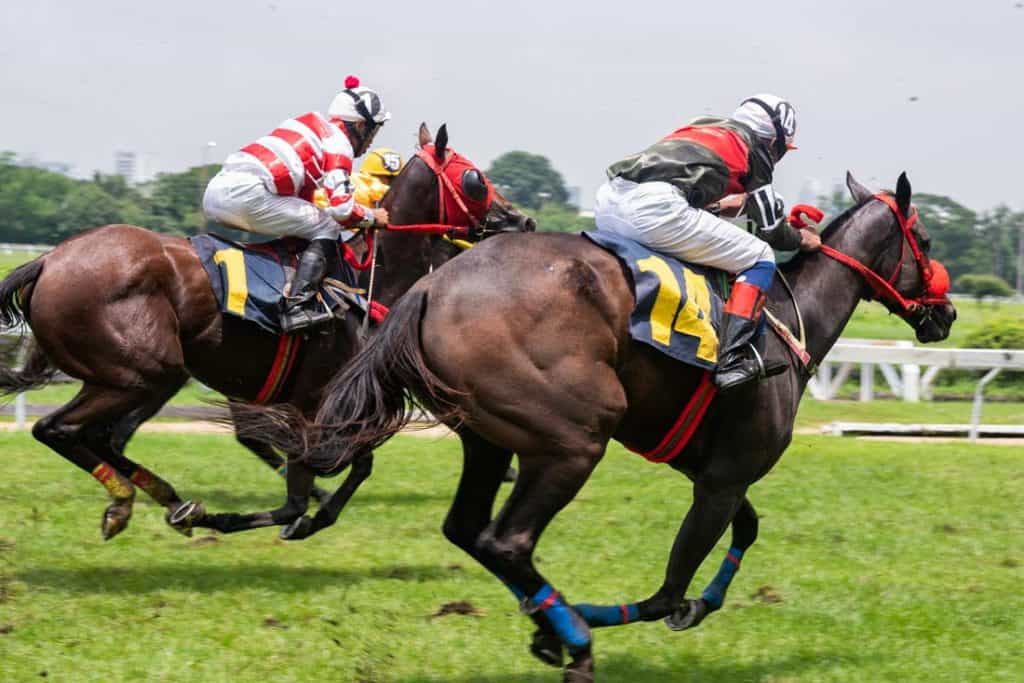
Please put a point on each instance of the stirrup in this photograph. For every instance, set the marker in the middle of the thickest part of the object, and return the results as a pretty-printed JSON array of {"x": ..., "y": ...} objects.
[
  {"x": 767, "y": 368},
  {"x": 299, "y": 317}
]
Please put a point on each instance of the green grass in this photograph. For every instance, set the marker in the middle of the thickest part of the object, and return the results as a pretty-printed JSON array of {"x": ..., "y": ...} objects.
[
  {"x": 894, "y": 563},
  {"x": 9, "y": 262},
  {"x": 815, "y": 413}
]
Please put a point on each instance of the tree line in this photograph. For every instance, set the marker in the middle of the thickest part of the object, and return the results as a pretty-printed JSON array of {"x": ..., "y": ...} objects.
[{"x": 43, "y": 207}]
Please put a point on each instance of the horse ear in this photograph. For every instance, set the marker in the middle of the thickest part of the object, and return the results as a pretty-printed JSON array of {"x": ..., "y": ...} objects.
[
  {"x": 441, "y": 144},
  {"x": 858, "y": 191},
  {"x": 903, "y": 194},
  {"x": 425, "y": 138}
]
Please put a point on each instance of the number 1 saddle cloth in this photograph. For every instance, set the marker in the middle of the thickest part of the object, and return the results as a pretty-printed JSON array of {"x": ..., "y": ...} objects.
[
  {"x": 249, "y": 280},
  {"x": 677, "y": 310}
]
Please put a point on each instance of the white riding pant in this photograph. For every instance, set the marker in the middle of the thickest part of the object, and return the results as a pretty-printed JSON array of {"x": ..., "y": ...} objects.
[
  {"x": 658, "y": 216},
  {"x": 239, "y": 199}
]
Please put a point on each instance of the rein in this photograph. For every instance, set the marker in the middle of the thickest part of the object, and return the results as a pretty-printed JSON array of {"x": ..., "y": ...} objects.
[{"x": 882, "y": 288}]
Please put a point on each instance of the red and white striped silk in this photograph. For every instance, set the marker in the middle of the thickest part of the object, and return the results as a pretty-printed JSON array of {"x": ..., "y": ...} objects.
[{"x": 298, "y": 155}]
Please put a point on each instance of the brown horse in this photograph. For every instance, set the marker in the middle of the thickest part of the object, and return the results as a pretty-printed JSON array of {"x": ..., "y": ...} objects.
[
  {"x": 527, "y": 350},
  {"x": 132, "y": 314}
]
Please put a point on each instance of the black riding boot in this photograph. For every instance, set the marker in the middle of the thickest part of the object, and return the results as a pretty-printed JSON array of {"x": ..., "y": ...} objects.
[
  {"x": 741, "y": 352},
  {"x": 301, "y": 307}
]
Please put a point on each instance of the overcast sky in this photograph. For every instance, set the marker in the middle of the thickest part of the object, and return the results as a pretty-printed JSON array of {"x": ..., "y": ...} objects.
[{"x": 936, "y": 88}]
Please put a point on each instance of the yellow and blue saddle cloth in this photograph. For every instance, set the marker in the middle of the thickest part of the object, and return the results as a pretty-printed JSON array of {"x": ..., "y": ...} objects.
[
  {"x": 677, "y": 310},
  {"x": 249, "y": 280}
]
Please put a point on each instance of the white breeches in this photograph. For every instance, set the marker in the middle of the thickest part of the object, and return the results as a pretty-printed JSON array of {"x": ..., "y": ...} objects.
[
  {"x": 240, "y": 200},
  {"x": 658, "y": 216}
]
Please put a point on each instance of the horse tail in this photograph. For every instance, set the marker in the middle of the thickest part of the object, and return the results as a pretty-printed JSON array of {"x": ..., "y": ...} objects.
[
  {"x": 15, "y": 293},
  {"x": 372, "y": 398}
]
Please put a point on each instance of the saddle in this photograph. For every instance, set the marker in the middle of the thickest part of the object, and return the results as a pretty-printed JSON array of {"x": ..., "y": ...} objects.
[
  {"x": 678, "y": 306},
  {"x": 250, "y": 281}
]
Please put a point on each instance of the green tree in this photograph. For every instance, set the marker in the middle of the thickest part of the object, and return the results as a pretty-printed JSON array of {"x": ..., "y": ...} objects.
[
  {"x": 528, "y": 180},
  {"x": 30, "y": 201},
  {"x": 174, "y": 200},
  {"x": 553, "y": 217},
  {"x": 980, "y": 285}
]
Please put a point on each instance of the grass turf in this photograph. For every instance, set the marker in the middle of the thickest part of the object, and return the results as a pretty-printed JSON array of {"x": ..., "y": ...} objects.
[{"x": 875, "y": 563}]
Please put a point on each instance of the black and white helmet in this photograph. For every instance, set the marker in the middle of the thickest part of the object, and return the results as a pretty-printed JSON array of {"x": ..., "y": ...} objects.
[
  {"x": 771, "y": 118},
  {"x": 357, "y": 103}
]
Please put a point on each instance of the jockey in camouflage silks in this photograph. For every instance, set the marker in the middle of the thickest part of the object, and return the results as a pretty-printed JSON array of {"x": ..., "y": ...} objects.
[
  {"x": 668, "y": 196},
  {"x": 268, "y": 187}
]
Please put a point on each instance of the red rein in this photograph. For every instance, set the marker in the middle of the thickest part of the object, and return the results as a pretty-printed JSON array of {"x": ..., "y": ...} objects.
[{"x": 933, "y": 273}]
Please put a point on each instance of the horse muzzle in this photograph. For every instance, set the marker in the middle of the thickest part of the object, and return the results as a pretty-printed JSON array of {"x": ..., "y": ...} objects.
[{"x": 934, "y": 322}]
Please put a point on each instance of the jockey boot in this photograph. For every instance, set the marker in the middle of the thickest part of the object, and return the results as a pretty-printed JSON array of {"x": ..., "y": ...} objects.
[
  {"x": 741, "y": 351},
  {"x": 302, "y": 308}
]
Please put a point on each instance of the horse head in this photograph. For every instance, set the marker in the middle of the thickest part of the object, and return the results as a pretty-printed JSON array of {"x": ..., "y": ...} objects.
[
  {"x": 885, "y": 241},
  {"x": 439, "y": 185}
]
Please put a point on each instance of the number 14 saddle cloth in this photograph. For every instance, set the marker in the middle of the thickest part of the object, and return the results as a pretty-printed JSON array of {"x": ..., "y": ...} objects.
[
  {"x": 249, "y": 280},
  {"x": 677, "y": 310}
]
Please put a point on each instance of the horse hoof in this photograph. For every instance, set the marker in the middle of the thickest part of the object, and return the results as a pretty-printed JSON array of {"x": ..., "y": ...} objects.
[
  {"x": 297, "y": 530},
  {"x": 115, "y": 520},
  {"x": 689, "y": 615},
  {"x": 547, "y": 647},
  {"x": 183, "y": 517},
  {"x": 581, "y": 669}
]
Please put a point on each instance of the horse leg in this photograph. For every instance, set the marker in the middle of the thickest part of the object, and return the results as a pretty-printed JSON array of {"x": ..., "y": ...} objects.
[
  {"x": 299, "y": 483},
  {"x": 546, "y": 483},
  {"x": 64, "y": 432},
  {"x": 274, "y": 460},
  {"x": 711, "y": 512},
  {"x": 327, "y": 515},
  {"x": 484, "y": 468},
  {"x": 111, "y": 440},
  {"x": 744, "y": 533},
  {"x": 666, "y": 603}
]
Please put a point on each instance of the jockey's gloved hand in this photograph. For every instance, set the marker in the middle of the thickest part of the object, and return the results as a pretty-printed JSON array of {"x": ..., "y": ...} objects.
[
  {"x": 381, "y": 218},
  {"x": 341, "y": 207}
]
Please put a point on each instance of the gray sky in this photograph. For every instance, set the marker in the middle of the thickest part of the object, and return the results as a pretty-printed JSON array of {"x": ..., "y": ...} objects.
[{"x": 584, "y": 83}]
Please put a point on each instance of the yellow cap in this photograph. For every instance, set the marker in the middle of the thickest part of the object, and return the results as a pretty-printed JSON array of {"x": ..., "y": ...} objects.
[{"x": 383, "y": 162}]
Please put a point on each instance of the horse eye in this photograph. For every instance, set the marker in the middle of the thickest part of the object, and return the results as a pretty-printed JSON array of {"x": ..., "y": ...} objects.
[{"x": 474, "y": 186}]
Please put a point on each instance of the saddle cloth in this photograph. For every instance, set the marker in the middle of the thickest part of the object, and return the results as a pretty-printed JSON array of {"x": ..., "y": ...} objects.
[
  {"x": 249, "y": 280},
  {"x": 677, "y": 310}
]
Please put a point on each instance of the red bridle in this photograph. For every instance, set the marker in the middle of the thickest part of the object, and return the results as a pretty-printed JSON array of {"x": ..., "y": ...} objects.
[
  {"x": 936, "y": 280},
  {"x": 451, "y": 202}
]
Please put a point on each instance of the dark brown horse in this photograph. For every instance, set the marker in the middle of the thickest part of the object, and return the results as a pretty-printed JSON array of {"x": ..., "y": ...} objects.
[
  {"x": 523, "y": 346},
  {"x": 132, "y": 314}
]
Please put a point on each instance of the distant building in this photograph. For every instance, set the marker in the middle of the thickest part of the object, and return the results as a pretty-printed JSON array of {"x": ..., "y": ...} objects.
[{"x": 126, "y": 165}]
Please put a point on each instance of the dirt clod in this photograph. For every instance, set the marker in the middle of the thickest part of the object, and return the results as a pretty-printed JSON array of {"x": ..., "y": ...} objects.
[
  {"x": 463, "y": 607},
  {"x": 767, "y": 595}
]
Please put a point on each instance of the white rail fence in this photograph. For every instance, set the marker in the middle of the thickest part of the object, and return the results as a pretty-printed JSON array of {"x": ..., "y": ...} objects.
[{"x": 900, "y": 363}]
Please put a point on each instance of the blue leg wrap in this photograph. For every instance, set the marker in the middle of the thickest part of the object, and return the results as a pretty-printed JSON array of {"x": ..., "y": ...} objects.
[
  {"x": 714, "y": 594},
  {"x": 608, "y": 615},
  {"x": 564, "y": 620}
]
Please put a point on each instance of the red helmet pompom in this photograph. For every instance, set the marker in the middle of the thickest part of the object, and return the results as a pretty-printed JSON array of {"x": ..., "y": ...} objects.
[
  {"x": 351, "y": 82},
  {"x": 939, "y": 284}
]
